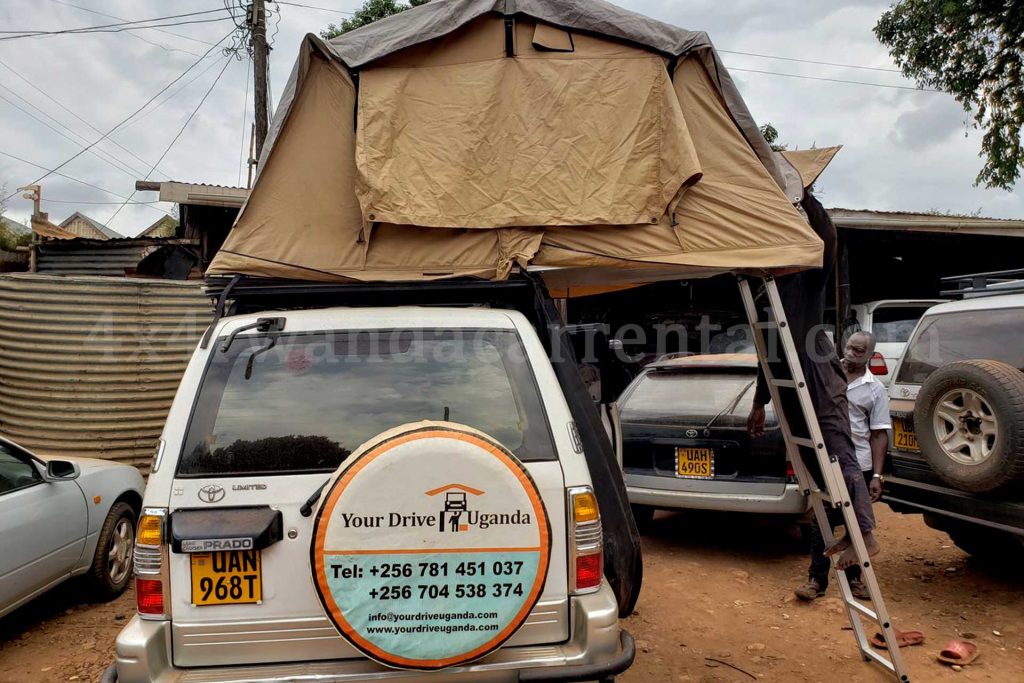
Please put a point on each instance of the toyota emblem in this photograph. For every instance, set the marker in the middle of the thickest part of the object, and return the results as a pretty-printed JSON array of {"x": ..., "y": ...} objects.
[
  {"x": 211, "y": 494},
  {"x": 691, "y": 433}
]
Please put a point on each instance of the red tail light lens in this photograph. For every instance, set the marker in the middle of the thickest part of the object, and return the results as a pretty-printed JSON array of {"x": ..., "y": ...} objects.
[
  {"x": 790, "y": 472},
  {"x": 149, "y": 596},
  {"x": 589, "y": 570},
  {"x": 877, "y": 364}
]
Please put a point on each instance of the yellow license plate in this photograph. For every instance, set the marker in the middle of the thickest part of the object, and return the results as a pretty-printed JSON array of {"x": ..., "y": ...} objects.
[
  {"x": 904, "y": 437},
  {"x": 695, "y": 463},
  {"x": 229, "y": 577}
]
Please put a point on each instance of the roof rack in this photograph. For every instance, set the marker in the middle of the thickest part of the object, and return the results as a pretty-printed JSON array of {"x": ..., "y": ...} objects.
[{"x": 984, "y": 284}]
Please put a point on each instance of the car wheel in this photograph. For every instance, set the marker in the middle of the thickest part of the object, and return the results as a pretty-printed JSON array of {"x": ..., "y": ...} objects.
[
  {"x": 969, "y": 419},
  {"x": 643, "y": 515},
  {"x": 112, "y": 563}
]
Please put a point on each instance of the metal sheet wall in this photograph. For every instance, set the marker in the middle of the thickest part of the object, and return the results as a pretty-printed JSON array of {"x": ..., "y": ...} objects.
[
  {"x": 72, "y": 258},
  {"x": 89, "y": 365}
]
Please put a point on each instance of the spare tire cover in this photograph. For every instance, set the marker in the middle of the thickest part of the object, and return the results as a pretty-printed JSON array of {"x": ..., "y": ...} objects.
[{"x": 430, "y": 546}]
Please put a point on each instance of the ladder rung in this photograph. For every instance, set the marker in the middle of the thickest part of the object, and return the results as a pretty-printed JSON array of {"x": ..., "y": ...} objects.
[
  {"x": 869, "y": 613},
  {"x": 766, "y": 325},
  {"x": 871, "y": 654},
  {"x": 783, "y": 383},
  {"x": 801, "y": 441}
]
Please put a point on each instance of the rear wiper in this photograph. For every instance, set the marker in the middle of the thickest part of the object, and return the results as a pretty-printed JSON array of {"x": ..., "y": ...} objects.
[
  {"x": 262, "y": 325},
  {"x": 732, "y": 405},
  {"x": 307, "y": 508}
]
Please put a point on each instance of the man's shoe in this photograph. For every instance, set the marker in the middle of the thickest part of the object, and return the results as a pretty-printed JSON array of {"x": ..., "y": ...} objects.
[
  {"x": 811, "y": 590},
  {"x": 860, "y": 590}
]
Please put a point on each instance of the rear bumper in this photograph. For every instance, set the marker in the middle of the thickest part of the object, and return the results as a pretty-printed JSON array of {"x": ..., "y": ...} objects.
[
  {"x": 597, "y": 648},
  {"x": 790, "y": 502}
]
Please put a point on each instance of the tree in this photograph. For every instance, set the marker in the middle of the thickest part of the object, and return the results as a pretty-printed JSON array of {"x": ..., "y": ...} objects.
[
  {"x": 771, "y": 136},
  {"x": 371, "y": 11},
  {"x": 974, "y": 50}
]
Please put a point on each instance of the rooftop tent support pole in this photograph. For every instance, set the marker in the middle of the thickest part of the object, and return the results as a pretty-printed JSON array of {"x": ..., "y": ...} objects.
[
  {"x": 218, "y": 312},
  {"x": 510, "y": 28},
  {"x": 818, "y": 473}
]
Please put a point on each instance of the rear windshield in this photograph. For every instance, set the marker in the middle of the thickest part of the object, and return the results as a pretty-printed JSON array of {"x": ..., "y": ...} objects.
[
  {"x": 895, "y": 323},
  {"x": 978, "y": 335},
  {"x": 314, "y": 398},
  {"x": 671, "y": 394}
]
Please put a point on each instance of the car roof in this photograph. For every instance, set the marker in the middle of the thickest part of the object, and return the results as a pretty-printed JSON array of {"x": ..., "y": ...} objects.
[
  {"x": 710, "y": 360},
  {"x": 978, "y": 304},
  {"x": 893, "y": 303}
]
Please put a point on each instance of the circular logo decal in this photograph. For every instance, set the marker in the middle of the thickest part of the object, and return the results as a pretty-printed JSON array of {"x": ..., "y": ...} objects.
[{"x": 430, "y": 546}]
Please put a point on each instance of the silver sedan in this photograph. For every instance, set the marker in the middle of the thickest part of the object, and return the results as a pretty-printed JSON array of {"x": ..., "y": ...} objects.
[{"x": 64, "y": 517}]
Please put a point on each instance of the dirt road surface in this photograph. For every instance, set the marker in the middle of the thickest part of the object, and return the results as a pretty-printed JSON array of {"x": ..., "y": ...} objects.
[{"x": 716, "y": 587}]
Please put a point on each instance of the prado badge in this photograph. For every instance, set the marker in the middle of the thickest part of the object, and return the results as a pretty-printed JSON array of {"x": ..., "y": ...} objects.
[{"x": 430, "y": 546}]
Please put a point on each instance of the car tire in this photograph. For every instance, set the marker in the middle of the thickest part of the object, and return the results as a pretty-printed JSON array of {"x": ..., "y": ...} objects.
[
  {"x": 111, "y": 569},
  {"x": 643, "y": 515},
  {"x": 969, "y": 419}
]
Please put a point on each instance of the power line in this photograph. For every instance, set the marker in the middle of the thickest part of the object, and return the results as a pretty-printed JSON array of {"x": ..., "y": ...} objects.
[
  {"x": 68, "y": 110},
  {"x": 135, "y": 35},
  {"x": 123, "y": 168},
  {"x": 80, "y": 29},
  {"x": 64, "y": 175},
  {"x": 811, "y": 61},
  {"x": 130, "y": 116},
  {"x": 322, "y": 9},
  {"x": 170, "y": 96},
  {"x": 121, "y": 18},
  {"x": 837, "y": 80},
  {"x": 227, "y": 62},
  {"x": 122, "y": 29},
  {"x": 72, "y": 201}
]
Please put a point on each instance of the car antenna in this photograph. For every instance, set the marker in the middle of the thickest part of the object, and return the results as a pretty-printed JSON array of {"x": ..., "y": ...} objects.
[{"x": 446, "y": 413}]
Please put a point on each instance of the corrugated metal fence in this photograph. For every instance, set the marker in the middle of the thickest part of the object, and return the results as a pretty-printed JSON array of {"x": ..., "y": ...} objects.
[{"x": 89, "y": 365}]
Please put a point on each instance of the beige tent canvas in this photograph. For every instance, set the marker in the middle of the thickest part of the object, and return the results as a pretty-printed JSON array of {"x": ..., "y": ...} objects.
[{"x": 465, "y": 138}]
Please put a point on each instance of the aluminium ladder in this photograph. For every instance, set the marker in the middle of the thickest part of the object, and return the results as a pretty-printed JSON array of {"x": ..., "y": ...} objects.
[{"x": 829, "y": 488}]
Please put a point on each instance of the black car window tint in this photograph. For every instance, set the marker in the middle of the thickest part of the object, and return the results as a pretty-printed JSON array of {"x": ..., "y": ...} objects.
[{"x": 312, "y": 399}]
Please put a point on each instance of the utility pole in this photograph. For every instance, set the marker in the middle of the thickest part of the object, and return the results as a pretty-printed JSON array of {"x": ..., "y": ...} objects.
[{"x": 258, "y": 36}]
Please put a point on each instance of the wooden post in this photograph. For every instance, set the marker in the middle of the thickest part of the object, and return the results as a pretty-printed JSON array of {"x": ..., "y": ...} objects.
[{"x": 258, "y": 36}]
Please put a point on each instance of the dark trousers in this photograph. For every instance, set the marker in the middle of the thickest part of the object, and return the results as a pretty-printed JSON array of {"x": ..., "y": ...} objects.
[{"x": 821, "y": 565}]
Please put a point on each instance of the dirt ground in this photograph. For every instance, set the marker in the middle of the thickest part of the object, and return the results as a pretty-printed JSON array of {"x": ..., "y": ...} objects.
[{"x": 716, "y": 587}]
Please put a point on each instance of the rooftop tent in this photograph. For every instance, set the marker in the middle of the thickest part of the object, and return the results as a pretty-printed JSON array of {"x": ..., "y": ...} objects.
[{"x": 465, "y": 137}]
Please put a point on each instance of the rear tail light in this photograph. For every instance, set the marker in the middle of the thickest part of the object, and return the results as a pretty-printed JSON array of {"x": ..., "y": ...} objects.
[
  {"x": 586, "y": 541},
  {"x": 877, "y": 364},
  {"x": 151, "y": 578},
  {"x": 790, "y": 472}
]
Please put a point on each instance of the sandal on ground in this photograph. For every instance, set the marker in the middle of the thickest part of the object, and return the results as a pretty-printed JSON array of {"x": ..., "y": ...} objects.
[
  {"x": 903, "y": 639},
  {"x": 959, "y": 652}
]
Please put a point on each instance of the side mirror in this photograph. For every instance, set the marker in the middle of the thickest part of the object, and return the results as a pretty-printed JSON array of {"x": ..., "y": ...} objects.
[{"x": 61, "y": 470}]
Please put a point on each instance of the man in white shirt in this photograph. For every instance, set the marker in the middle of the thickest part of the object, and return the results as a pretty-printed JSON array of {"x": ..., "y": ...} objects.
[{"x": 869, "y": 426}]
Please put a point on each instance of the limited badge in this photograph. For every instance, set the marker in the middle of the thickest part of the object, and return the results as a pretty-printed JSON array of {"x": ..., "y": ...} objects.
[{"x": 430, "y": 546}]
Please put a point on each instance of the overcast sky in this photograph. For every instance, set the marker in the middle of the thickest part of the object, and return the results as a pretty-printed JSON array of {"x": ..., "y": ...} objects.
[{"x": 903, "y": 150}]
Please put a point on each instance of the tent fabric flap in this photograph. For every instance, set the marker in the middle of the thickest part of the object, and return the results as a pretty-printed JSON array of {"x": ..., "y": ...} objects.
[{"x": 589, "y": 138}]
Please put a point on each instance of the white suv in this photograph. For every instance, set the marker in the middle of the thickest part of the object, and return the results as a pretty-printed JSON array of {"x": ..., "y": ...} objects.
[{"x": 231, "y": 576}]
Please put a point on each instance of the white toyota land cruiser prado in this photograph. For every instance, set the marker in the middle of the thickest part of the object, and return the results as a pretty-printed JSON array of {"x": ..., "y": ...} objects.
[{"x": 351, "y": 494}]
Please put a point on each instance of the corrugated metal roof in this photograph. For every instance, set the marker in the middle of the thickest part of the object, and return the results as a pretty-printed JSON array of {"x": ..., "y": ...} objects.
[
  {"x": 199, "y": 194},
  {"x": 90, "y": 257},
  {"x": 925, "y": 222},
  {"x": 89, "y": 365}
]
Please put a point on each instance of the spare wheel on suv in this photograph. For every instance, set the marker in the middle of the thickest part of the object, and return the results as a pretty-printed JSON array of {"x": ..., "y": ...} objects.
[{"x": 969, "y": 418}]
